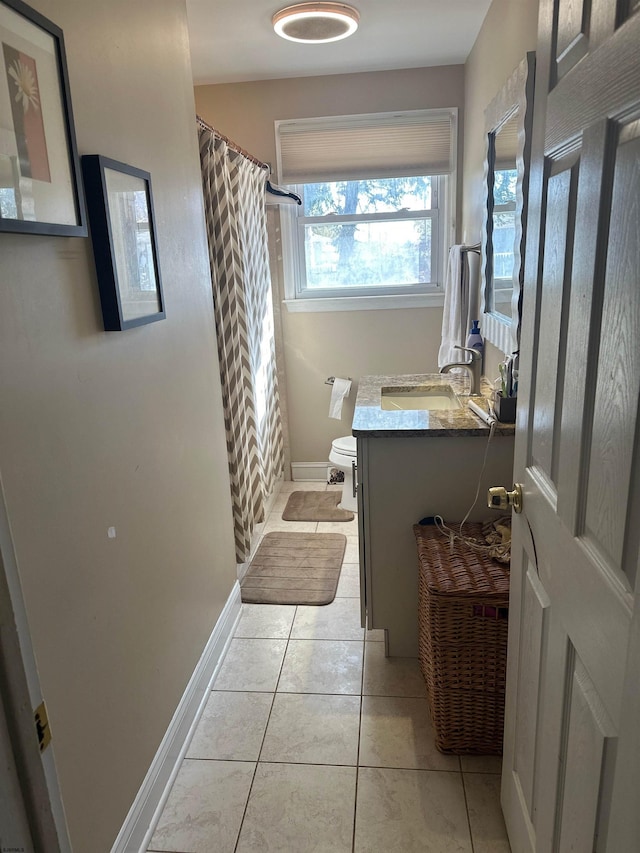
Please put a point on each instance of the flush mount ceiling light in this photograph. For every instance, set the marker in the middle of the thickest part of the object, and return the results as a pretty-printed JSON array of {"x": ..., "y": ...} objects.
[{"x": 316, "y": 23}]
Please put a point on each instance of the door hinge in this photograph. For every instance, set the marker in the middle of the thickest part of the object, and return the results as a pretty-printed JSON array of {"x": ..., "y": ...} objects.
[{"x": 42, "y": 726}]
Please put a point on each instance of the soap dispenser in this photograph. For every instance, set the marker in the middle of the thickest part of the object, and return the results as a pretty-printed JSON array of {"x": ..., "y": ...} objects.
[{"x": 475, "y": 338}]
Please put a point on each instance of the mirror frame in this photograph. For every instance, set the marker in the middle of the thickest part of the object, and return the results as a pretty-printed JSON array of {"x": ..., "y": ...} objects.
[{"x": 515, "y": 98}]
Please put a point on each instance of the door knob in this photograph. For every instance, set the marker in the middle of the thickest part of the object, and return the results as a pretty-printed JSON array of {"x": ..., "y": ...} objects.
[{"x": 499, "y": 498}]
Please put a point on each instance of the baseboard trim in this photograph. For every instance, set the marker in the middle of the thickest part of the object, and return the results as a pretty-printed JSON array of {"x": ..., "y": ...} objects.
[
  {"x": 136, "y": 832},
  {"x": 301, "y": 471}
]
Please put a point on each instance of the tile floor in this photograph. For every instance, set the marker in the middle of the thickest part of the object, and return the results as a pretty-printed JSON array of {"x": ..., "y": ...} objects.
[{"x": 312, "y": 740}]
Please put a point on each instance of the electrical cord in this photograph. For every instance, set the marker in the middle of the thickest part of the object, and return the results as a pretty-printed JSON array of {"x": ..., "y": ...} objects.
[{"x": 500, "y": 551}]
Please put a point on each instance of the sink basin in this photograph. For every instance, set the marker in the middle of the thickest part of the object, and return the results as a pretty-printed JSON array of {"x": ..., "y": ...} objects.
[{"x": 439, "y": 398}]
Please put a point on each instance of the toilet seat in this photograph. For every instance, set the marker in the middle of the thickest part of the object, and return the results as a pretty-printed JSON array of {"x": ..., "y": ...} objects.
[
  {"x": 346, "y": 445},
  {"x": 343, "y": 455}
]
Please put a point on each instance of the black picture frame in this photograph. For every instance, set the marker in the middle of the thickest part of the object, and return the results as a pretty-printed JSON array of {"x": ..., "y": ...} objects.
[
  {"x": 40, "y": 187},
  {"x": 125, "y": 243}
]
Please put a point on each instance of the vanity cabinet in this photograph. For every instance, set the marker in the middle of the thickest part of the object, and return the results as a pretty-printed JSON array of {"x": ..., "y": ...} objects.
[{"x": 405, "y": 475}]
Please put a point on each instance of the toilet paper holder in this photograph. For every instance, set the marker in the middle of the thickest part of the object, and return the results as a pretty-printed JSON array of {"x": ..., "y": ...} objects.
[{"x": 332, "y": 379}]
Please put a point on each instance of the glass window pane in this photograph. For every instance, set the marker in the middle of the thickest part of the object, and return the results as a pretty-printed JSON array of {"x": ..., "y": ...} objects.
[
  {"x": 368, "y": 254},
  {"x": 504, "y": 186},
  {"x": 379, "y": 195},
  {"x": 8, "y": 206},
  {"x": 504, "y": 234}
]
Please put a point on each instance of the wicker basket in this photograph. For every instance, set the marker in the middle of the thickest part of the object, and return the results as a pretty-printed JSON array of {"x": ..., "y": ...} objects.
[{"x": 463, "y": 599}]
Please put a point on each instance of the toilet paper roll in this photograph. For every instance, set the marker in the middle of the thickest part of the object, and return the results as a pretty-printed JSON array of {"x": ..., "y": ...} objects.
[{"x": 340, "y": 390}]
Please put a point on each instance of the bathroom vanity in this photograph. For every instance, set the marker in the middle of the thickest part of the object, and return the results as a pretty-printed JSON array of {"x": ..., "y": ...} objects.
[{"x": 414, "y": 463}]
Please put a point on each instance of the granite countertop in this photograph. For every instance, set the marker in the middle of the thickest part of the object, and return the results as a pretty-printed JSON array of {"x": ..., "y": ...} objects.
[{"x": 370, "y": 419}]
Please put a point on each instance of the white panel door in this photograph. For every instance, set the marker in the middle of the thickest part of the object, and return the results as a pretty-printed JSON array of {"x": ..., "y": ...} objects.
[
  {"x": 31, "y": 810},
  {"x": 574, "y": 640},
  {"x": 14, "y": 823}
]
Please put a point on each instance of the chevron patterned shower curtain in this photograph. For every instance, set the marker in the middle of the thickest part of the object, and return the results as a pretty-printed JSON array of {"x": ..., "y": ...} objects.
[{"x": 234, "y": 189}]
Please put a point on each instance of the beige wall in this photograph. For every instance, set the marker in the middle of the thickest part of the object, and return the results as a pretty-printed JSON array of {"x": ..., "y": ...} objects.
[
  {"x": 118, "y": 429},
  {"x": 246, "y": 111},
  {"x": 351, "y": 343},
  {"x": 508, "y": 32}
]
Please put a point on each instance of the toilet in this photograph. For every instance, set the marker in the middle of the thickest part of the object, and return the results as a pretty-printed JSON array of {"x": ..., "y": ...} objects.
[{"x": 343, "y": 456}]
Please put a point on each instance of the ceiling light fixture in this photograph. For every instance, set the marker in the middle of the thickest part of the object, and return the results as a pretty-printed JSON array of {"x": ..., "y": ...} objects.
[{"x": 316, "y": 23}]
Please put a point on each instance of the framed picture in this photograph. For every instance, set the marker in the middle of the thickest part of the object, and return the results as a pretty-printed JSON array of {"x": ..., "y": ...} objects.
[
  {"x": 40, "y": 188},
  {"x": 120, "y": 207}
]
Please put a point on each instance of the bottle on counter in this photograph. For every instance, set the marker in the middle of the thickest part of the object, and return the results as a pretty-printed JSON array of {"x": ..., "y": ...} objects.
[{"x": 475, "y": 338}]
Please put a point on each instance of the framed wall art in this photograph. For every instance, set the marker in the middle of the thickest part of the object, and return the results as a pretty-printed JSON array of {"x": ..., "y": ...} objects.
[
  {"x": 40, "y": 188},
  {"x": 121, "y": 218}
]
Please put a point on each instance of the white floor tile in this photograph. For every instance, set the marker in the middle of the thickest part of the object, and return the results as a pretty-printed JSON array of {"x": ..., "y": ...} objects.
[
  {"x": 485, "y": 815},
  {"x": 339, "y": 620},
  {"x": 251, "y": 665},
  {"x": 374, "y": 635},
  {"x": 280, "y": 503},
  {"x": 349, "y": 583},
  {"x": 352, "y": 552},
  {"x": 412, "y": 811},
  {"x": 232, "y": 726},
  {"x": 481, "y": 763},
  {"x": 288, "y": 695},
  {"x": 205, "y": 807},
  {"x": 266, "y": 621},
  {"x": 322, "y": 666},
  {"x": 391, "y": 676},
  {"x": 299, "y": 809},
  {"x": 313, "y": 729},
  {"x": 397, "y": 732}
]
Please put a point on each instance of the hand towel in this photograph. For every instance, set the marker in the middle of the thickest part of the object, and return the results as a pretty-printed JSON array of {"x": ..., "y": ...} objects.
[{"x": 456, "y": 308}]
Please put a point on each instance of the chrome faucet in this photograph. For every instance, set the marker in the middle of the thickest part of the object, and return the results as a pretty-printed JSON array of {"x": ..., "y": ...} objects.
[{"x": 473, "y": 368}]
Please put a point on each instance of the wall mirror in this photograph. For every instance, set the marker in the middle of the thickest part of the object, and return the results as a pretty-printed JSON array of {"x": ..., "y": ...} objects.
[{"x": 508, "y": 143}]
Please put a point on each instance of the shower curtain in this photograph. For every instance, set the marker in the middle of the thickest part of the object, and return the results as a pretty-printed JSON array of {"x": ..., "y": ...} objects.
[{"x": 234, "y": 191}]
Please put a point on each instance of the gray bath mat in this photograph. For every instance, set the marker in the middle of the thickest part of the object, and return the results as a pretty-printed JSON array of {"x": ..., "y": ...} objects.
[
  {"x": 315, "y": 506},
  {"x": 295, "y": 568}
]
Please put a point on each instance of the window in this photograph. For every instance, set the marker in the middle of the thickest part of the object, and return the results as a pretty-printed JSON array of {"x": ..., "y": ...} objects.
[
  {"x": 503, "y": 237},
  {"x": 376, "y": 203},
  {"x": 503, "y": 175}
]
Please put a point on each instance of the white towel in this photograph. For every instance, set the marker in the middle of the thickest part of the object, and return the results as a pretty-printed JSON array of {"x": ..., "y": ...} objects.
[
  {"x": 453, "y": 309},
  {"x": 457, "y": 297},
  {"x": 473, "y": 269}
]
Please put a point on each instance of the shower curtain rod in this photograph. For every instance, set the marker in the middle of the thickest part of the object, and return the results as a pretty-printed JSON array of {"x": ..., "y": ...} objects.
[{"x": 233, "y": 145}]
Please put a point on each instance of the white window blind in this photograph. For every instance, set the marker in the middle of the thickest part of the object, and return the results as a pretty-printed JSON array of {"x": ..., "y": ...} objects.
[
  {"x": 506, "y": 145},
  {"x": 382, "y": 145}
]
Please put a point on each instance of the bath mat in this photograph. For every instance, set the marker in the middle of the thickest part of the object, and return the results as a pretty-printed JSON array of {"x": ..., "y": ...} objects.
[
  {"x": 315, "y": 506},
  {"x": 295, "y": 568}
]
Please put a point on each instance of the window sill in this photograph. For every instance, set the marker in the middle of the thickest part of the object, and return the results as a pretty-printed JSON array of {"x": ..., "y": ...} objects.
[{"x": 365, "y": 303}]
